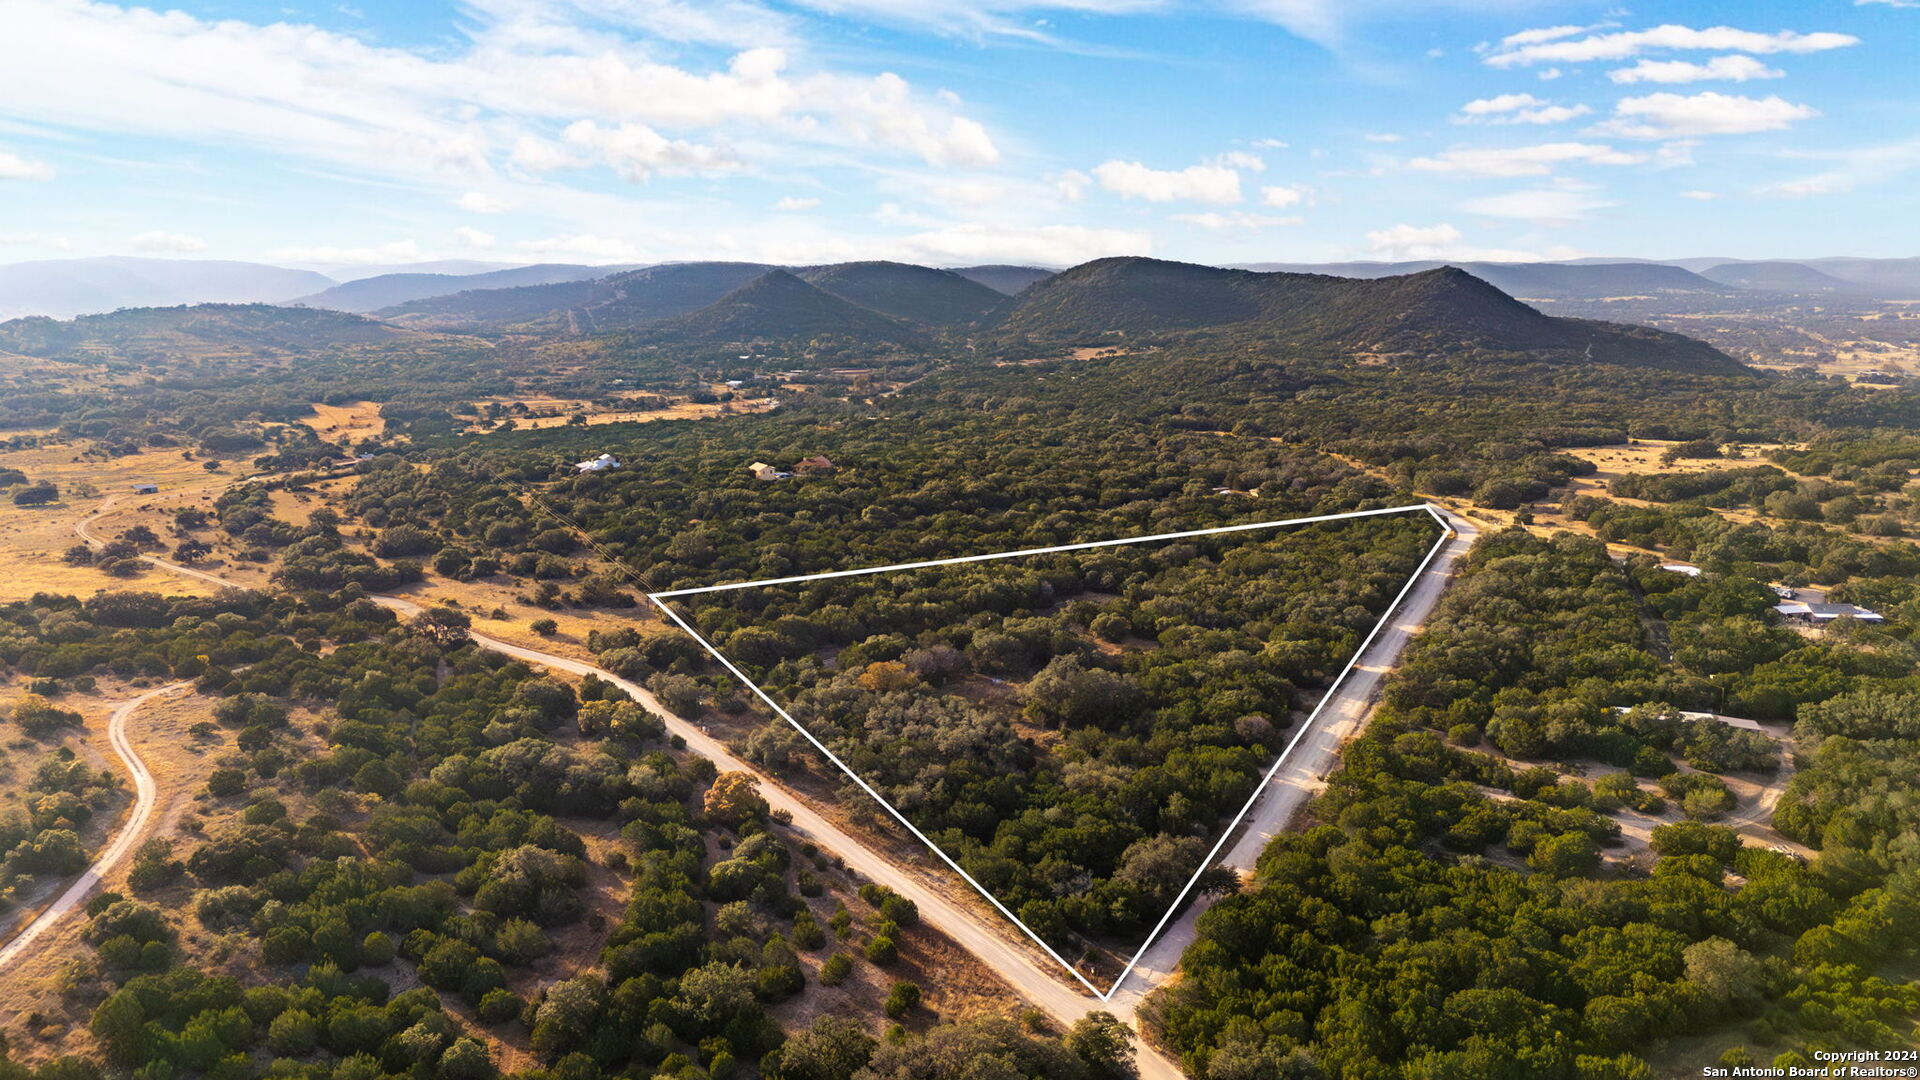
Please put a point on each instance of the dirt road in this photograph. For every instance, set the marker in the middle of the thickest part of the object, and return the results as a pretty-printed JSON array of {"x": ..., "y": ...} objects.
[
  {"x": 1032, "y": 976},
  {"x": 131, "y": 833}
]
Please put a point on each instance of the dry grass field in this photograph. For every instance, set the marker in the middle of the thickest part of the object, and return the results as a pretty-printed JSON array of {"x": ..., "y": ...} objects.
[
  {"x": 32, "y": 539},
  {"x": 348, "y": 424},
  {"x": 559, "y": 412}
]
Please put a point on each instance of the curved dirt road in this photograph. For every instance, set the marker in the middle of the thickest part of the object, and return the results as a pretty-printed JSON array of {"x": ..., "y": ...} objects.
[
  {"x": 145, "y": 792},
  {"x": 1032, "y": 976}
]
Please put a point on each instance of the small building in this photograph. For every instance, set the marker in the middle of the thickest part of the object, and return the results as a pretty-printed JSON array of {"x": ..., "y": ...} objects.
[
  {"x": 599, "y": 464},
  {"x": 1681, "y": 568},
  {"x": 763, "y": 471},
  {"x": 735, "y": 384},
  {"x": 1820, "y": 613},
  {"x": 146, "y": 489},
  {"x": 817, "y": 464},
  {"x": 1783, "y": 592}
]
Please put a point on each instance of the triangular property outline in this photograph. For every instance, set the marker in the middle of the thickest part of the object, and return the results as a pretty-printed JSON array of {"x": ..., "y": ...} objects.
[{"x": 660, "y": 600}]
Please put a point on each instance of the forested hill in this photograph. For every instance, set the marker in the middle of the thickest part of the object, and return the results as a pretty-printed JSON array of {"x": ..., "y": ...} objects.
[
  {"x": 1445, "y": 310},
  {"x": 619, "y": 301},
  {"x": 918, "y": 294},
  {"x": 779, "y": 306},
  {"x": 200, "y": 329}
]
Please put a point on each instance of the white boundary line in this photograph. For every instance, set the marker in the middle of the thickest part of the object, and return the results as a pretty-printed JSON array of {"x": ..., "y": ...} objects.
[{"x": 660, "y": 600}]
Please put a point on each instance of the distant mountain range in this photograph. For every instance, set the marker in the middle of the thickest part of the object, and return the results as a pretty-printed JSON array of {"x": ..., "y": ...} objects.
[
  {"x": 476, "y": 294},
  {"x": 64, "y": 288},
  {"x": 386, "y": 290},
  {"x": 916, "y": 294},
  {"x": 1439, "y": 311}
]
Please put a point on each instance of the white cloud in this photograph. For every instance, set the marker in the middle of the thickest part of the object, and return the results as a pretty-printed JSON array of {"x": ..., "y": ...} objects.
[
  {"x": 796, "y": 203},
  {"x": 528, "y": 69},
  {"x": 168, "y": 243},
  {"x": 1241, "y": 159},
  {"x": 1285, "y": 194},
  {"x": 473, "y": 237},
  {"x": 1700, "y": 196},
  {"x": 1537, "y": 160},
  {"x": 967, "y": 193},
  {"x": 474, "y": 202},
  {"x": 1070, "y": 185},
  {"x": 583, "y": 247},
  {"x": 1548, "y": 74},
  {"x": 1383, "y": 136},
  {"x": 398, "y": 251},
  {"x": 1196, "y": 183},
  {"x": 1860, "y": 167},
  {"x": 1269, "y": 144},
  {"x": 1215, "y": 221},
  {"x": 1541, "y": 206},
  {"x": 1051, "y": 245},
  {"x": 1403, "y": 242},
  {"x": 1398, "y": 242},
  {"x": 1667, "y": 115},
  {"x": 1626, "y": 44},
  {"x": 1518, "y": 109},
  {"x": 15, "y": 167},
  {"x": 636, "y": 151},
  {"x": 1735, "y": 68}
]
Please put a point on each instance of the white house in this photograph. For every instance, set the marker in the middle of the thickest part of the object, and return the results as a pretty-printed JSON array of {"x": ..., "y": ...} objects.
[
  {"x": 1814, "y": 612},
  {"x": 599, "y": 464},
  {"x": 763, "y": 471},
  {"x": 1681, "y": 568}
]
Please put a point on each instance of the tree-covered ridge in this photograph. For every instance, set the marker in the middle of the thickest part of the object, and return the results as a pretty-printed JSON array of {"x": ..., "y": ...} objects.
[
  {"x": 1400, "y": 938},
  {"x": 1074, "y": 728},
  {"x": 1438, "y": 311}
]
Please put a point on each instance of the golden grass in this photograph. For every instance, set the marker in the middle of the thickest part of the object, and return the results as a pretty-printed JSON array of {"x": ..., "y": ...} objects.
[
  {"x": 562, "y": 411},
  {"x": 32, "y": 539},
  {"x": 348, "y": 424}
]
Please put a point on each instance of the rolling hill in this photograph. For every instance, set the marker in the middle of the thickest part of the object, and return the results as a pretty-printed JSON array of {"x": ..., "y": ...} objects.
[
  {"x": 63, "y": 288},
  {"x": 918, "y": 294},
  {"x": 1543, "y": 281},
  {"x": 199, "y": 331},
  {"x": 1006, "y": 280},
  {"x": 618, "y": 302},
  {"x": 1440, "y": 310},
  {"x": 1781, "y": 276},
  {"x": 387, "y": 290},
  {"x": 779, "y": 306}
]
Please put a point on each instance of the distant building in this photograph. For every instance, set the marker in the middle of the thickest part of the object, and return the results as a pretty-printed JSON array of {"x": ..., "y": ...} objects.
[
  {"x": 146, "y": 489},
  {"x": 599, "y": 464},
  {"x": 1820, "y": 613},
  {"x": 817, "y": 464},
  {"x": 1681, "y": 568},
  {"x": 1783, "y": 592},
  {"x": 763, "y": 471}
]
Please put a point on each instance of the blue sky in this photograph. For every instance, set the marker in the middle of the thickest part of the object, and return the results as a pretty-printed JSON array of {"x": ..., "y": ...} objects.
[{"x": 953, "y": 132}]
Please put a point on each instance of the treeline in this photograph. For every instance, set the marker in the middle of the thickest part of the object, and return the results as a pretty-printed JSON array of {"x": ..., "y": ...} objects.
[
  {"x": 1074, "y": 728},
  {"x": 1400, "y": 937}
]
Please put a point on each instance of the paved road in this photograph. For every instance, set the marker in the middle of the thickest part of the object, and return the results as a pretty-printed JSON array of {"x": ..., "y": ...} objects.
[
  {"x": 145, "y": 791},
  {"x": 1312, "y": 758},
  {"x": 1034, "y": 977}
]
